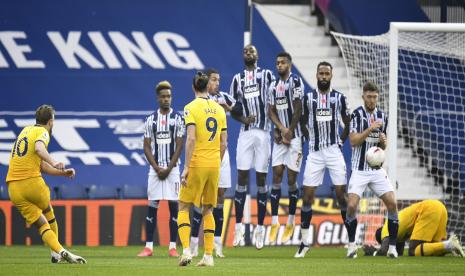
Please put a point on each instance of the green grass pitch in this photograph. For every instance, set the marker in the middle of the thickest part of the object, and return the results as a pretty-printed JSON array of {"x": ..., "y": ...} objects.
[{"x": 119, "y": 261}]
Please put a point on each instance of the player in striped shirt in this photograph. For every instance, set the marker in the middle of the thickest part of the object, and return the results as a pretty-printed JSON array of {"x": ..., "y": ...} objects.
[
  {"x": 250, "y": 89},
  {"x": 325, "y": 109},
  {"x": 285, "y": 112},
  {"x": 163, "y": 143},
  {"x": 367, "y": 129},
  {"x": 226, "y": 101}
]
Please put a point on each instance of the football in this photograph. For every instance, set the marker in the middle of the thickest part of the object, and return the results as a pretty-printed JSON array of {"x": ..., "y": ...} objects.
[{"x": 375, "y": 157}]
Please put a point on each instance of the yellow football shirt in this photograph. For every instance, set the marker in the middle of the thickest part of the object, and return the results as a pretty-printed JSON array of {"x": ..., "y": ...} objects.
[
  {"x": 409, "y": 216},
  {"x": 24, "y": 161},
  {"x": 209, "y": 119}
]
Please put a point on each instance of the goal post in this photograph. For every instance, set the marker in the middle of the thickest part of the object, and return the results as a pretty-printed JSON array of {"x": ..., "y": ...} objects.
[{"x": 420, "y": 71}]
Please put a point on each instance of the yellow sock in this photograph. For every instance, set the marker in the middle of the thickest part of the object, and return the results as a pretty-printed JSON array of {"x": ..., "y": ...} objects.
[
  {"x": 208, "y": 233},
  {"x": 50, "y": 216},
  {"x": 49, "y": 238},
  {"x": 184, "y": 228},
  {"x": 431, "y": 249}
]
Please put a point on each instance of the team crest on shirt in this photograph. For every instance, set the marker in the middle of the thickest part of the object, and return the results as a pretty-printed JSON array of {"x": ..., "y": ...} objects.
[
  {"x": 186, "y": 113},
  {"x": 172, "y": 122},
  {"x": 332, "y": 100}
]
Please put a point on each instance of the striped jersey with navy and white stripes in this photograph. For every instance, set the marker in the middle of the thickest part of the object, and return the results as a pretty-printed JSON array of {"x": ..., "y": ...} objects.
[
  {"x": 283, "y": 94},
  {"x": 223, "y": 98},
  {"x": 360, "y": 121},
  {"x": 251, "y": 89},
  {"x": 324, "y": 113},
  {"x": 163, "y": 129}
]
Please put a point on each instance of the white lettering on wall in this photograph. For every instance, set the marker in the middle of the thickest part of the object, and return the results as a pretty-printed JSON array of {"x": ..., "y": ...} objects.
[
  {"x": 65, "y": 133},
  {"x": 70, "y": 48},
  {"x": 182, "y": 59},
  {"x": 142, "y": 49},
  {"x": 17, "y": 52}
]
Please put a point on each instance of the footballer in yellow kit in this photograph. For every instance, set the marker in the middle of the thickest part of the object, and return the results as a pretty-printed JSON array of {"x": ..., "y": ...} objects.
[
  {"x": 26, "y": 187},
  {"x": 424, "y": 225},
  {"x": 205, "y": 146}
]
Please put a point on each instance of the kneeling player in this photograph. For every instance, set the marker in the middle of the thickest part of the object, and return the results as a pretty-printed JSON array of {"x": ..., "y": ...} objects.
[{"x": 424, "y": 223}]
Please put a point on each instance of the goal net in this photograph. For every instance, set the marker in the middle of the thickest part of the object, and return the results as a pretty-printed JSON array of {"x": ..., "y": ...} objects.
[{"x": 420, "y": 71}]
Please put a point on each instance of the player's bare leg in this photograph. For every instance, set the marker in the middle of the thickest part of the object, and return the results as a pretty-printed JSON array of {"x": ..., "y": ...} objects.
[
  {"x": 275, "y": 196},
  {"x": 293, "y": 197},
  {"x": 389, "y": 200}
]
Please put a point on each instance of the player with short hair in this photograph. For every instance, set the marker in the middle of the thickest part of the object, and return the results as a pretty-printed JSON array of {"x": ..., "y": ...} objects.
[
  {"x": 205, "y": 147},
  {"x": 250, "y": 89},
  {"x": 325, "y": 109},
  {"x": 227, "y": 102},
  {"x": 163, "y": 143},
  {"x": 368, "y": 127},
  {"x": 285, "y": 112},
  {"x": 26, "y": 187},
  {"x": 424, "y": 225}
]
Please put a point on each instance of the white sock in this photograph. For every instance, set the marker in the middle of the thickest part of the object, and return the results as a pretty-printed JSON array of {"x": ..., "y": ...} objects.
[
  {"x": 218, "y": 240},
  {"x": 274, "y": 220},
  {"x": 149, "y": 245},
  {"x": 186, "y": 251},
  {"x": 291, "y": 219},
  {"x": 239, "y": 226},
  {"x": 195, "y": 240},
  {"x": 392, "y": 248},
  {"x": 172, "y": 245},
  {"x": 352, "y": 245},
  {"x": 447, "y": 245},
  {"x": 304, "y": 233}
]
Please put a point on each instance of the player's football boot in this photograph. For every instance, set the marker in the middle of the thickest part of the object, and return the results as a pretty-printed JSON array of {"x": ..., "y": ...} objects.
[
  {"x": 287, "y": 233},
  {"x": 456, "y": 246},
  {"x": 392, "y": 252},
  {"x": 207, "y": 260},
  {"x": 238, "y": 235},
  {"x": 186, "y": 258},
  {"x": 352, "y": 251},
  {"x": 194, "y": 245},
  {"x": 219, "y": 249},
  {"x": 173, "y": 253},
  {"x": 259, "y": 237},
  {"x": 274, "y": 232},
  {"x": 303, "y": 249},
  {"x": 146, "y": 252},
  {"x": 56, "y": 258},
  {"x": 71, "y": 258}
]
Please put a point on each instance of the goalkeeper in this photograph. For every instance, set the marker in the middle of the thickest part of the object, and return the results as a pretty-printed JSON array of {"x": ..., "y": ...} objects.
[{"x": 424, "y": 224}]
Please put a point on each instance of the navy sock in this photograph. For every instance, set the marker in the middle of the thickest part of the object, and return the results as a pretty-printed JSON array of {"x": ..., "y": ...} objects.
[
  {"x": 351, "y": 223},
  {"x": 218, "y": 215},
  {"x": 262, "y": 195},
  {"x": 393, "y": 227},
  {"x": 306, "y": 214},
  {"x": 275, "y": 196},
  {"x": 239, "y": 202},
  {"x": 196, "y": 221},
  {"x": 173, "y": 205},
  {"x": 293, "y": 196},
  {"x": 150, "y": 223}
]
